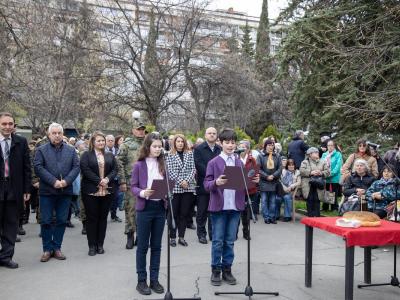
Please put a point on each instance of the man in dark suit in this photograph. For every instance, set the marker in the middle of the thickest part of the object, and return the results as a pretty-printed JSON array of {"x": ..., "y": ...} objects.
[
  {"x": 203, "y": 153},
  {"x": 15, "y": 181}
]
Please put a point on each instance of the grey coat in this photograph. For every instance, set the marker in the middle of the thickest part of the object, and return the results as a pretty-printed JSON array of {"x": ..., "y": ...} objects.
[
  {"x": 266, "y": 185},
  {"x": 307, "y": 166}
]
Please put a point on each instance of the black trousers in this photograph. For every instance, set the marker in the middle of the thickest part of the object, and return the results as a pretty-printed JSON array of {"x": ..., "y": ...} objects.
[
  {"x": 202, "y": 216},
  {"x": 9, "y": 217},
  {"x": 182, "y": 205},
  {"x": 34, "y": 197},
  {"x": 192, "y": 213},
  {"x": 313, "y": 203},
  {"x": 96, "y": 209},
  {"x": 114, "y": 205},
  {"x": 245, "y": 216}
]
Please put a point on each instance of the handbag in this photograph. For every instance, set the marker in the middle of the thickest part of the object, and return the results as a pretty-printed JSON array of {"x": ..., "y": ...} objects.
[
  {"x": 279, "y": 189},
  {"x": 317, "y": 182},
  {"x": 351, "y": 204},
  {"x": 390, "y": 208},
  {"x": 329, "y": 196}
]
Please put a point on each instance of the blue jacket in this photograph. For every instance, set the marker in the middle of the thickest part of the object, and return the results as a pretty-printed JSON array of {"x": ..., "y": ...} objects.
[
  {"x": 387, "y": 190},
  {"x": 53, "y": 164},
  {"x": 297, "y": 151},
  {"x": 336, "y": 165}
]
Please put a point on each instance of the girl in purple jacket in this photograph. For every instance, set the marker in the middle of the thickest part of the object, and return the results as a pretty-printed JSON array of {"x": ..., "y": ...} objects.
[{"x": 150, "y": 216}]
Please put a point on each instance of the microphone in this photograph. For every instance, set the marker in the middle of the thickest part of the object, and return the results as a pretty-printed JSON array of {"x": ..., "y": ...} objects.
[
  {"x": 239, "y": 150},
  {"x": 373, "y": 145}
]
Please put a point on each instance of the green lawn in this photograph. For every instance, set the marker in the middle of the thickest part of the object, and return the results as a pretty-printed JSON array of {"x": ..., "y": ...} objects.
[{"x": 301, "y": 207}]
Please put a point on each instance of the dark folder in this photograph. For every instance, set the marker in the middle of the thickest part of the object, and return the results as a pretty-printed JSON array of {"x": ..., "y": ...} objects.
[
  {"x": 160, "y": 188},
  {"x": 235, "y": 177}
]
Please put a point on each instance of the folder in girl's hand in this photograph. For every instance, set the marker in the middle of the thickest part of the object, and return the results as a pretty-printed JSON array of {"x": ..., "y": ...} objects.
[{"x": 160, "y": 188}]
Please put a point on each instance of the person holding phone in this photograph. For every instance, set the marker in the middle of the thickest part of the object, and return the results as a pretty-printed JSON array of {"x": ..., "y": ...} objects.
[{"x": 150, "y": 217}]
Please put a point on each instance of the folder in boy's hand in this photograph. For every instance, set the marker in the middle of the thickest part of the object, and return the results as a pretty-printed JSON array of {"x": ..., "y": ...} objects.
[
  {"x": 160, "y": 188},
  {"x": 235, "y": 178}
]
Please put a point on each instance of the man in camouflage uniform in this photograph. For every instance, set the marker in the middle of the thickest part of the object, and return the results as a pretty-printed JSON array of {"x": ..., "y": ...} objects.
[
  {"x": 126, "y": 157},
  {"x": 81, "y": 147}
]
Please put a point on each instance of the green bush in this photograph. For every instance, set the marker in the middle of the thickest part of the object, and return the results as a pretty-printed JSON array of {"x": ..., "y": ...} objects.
[
  {"x": 268, "y": 131},
  {"x": 242, "y": 135},
  {"x": 150, "y": 128}
]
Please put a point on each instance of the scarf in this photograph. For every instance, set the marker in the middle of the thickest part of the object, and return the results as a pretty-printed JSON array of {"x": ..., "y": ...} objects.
[
  {"x": 270, "y": 162},
  {"x": 287, "y": 179},
  {"x": 328, "y": 158}
]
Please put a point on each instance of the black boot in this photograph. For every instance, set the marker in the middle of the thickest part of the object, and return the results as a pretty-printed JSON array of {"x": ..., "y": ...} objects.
[
  {"x": 216, "y": 277},
  {"x": 130, "y": 240},
  {"x": 228, "y": 277},
  {"x": 83, "y": 227},
  {"x": 143, "y": 288},
  {"x": 92, "y": 251},
  {"x": 21, "y": 230}
]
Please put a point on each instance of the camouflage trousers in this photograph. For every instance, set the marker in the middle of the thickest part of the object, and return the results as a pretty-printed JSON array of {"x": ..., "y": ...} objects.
[{"x": 130, "y": 212}]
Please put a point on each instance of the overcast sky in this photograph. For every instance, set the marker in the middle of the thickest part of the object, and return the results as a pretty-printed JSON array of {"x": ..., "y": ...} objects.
[{"x": 251, "y": 7}]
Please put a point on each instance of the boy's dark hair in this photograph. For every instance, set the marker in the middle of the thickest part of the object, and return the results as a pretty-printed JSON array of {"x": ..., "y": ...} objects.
[{"x": 227, "y": 135}]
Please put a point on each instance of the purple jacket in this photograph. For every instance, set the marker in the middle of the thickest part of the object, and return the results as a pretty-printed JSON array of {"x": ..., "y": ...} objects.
[
  {"x": 215, "y": 168},
  {"x": 139, "y": 183}
]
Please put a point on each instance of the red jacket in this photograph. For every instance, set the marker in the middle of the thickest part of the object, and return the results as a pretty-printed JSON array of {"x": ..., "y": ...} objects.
[{"x": 251, "y": 164}]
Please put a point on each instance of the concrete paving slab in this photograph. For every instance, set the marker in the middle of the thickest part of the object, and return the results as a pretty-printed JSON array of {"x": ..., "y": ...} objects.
[{"x": 277, "y": 264}]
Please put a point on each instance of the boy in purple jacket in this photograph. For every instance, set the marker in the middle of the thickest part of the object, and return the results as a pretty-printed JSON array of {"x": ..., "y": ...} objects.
[{"x": 224, "y": 207}]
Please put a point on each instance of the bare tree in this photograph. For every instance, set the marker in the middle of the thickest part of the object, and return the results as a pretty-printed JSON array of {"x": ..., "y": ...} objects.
[
  {"x": 143, "y": 43},
  {"x": 53, "y": 76}
]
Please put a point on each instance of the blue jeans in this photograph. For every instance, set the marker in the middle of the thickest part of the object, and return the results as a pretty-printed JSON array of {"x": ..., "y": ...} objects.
[
  {"x": 121, "y": 200},
  {"x": 224, "y": 229},
  {"x": 278, "y": 204},
  {"x": 150, "y": 224},
  {"x": 287, "y": 200},
  {"x": 52, "y": 236},
  {"x": 268, "y": 205}
]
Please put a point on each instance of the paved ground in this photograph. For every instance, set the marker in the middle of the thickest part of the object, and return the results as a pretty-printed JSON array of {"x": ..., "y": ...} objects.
[{"x": 277, "y": 265}]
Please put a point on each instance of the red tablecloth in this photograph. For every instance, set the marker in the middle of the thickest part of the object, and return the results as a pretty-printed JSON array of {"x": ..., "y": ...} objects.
[{"x": 386, "y": 234}]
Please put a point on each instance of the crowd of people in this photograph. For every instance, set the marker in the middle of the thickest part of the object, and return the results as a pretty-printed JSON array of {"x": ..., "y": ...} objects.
[{"x": 96, "y": 175}]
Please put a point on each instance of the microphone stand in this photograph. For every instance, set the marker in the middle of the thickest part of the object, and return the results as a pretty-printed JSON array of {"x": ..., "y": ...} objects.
[
  {"x": 248, "y": 292},
  {"x": 171, "y": 224},
  {"x": 394, "y": 279}
]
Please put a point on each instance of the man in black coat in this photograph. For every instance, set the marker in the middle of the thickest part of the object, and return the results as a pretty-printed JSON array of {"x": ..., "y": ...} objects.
[
  {"x": 297, "y": 148},
  {"x": 15, "y": 182},
  {"x": 203, "y": 153}
]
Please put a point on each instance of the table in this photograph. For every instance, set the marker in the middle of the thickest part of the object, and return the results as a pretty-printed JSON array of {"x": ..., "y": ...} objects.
[{"x": 386, "y": 234}]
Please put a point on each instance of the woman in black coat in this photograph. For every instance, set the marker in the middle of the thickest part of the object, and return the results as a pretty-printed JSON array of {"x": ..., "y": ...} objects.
[{"x": 98, "y": 169}]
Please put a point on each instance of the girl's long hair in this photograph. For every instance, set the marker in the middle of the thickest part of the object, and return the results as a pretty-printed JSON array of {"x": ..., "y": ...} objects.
[{"x": 144, "y": 151}]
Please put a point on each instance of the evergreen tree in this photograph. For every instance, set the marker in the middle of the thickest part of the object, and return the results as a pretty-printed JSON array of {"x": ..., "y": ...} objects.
[
  {"x": 247, "y": 44},
  {"x": 263, "y": 44},
  {"x": 344, "y": 58}
]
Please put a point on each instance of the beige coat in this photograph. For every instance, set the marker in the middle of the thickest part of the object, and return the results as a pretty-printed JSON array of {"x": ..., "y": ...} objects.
[
  {"x": 307, "y": 166},
  {"x": 373, "y": 165}
]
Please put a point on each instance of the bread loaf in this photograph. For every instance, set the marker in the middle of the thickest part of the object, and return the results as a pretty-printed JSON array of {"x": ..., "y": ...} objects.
[{"x": 367, "y": 219}]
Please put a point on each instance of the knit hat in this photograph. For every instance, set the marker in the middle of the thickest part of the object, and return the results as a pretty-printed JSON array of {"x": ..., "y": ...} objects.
[{"x": 312, "y": 150}]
